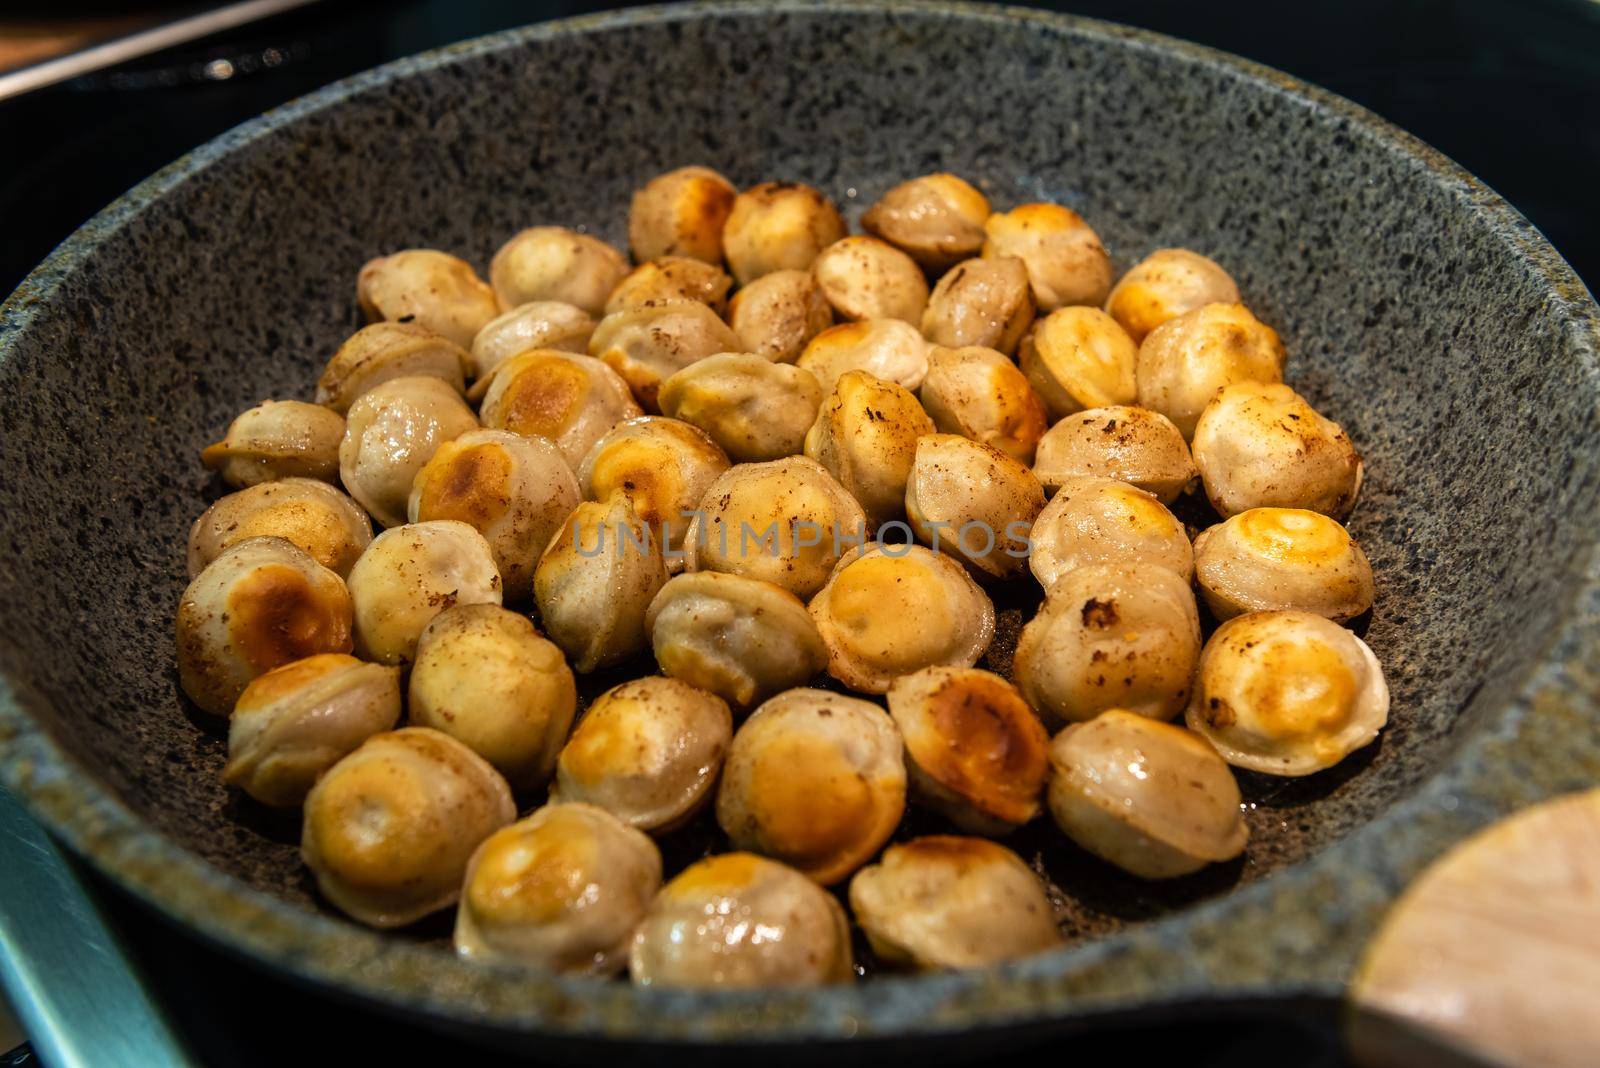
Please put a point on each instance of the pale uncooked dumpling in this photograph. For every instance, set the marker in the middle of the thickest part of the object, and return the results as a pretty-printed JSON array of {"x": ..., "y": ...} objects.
[
  {"x": 410, "y": 574},
  {"x": 432, "y": 289},
  {"x": 1151, "y": 798},
  {"x": 554, "y": 263},
  {"x": 974, "y": 502},
  {"x": 487, "y": 678},
  {"x": 595, "y": 582},
  {"x": 754, "y": 408},
  {"x": 1104, "y": 521},
  {"x": 1066, "y": 262},
  {"x": 740, "y": 921},
  {"x": 276, "y": 440},
  {"x": 1110, "y": 636},
  {"x": 944, "y": 901},
  {"x": 1185, "y": 361},
  {"x": 296, "y": 721},
  {"x": 1133, "y": 445},
  {"x": 740, "y": 638},
  {"x": 1260, "y": 445},
  {"x": 390, "y": 433}
]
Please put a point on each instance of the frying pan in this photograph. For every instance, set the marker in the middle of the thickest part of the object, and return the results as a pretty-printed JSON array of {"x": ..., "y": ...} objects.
[{"x": 1435, "y": 323}]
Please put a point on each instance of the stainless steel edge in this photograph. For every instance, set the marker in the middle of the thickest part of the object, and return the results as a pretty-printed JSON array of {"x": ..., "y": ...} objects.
[{"x": 69, "y": 980}]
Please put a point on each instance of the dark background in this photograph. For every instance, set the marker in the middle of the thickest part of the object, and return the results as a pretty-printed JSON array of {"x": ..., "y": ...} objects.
[{"x": 1508, "y": 88}]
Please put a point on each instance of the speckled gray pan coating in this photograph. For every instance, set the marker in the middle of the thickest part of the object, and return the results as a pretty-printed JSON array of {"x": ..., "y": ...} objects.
[{"x": 1432, "y": 320}]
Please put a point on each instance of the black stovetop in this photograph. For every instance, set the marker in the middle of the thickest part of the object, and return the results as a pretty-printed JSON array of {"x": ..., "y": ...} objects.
[{"x": 1508, "y": 88}]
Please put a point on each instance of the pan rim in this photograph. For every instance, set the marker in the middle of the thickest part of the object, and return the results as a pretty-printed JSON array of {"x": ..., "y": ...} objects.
[{"x": 1078, "y": 983}]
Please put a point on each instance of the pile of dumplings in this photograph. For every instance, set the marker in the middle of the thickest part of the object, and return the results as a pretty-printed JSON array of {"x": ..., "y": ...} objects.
[{"x": 563, "y": 463}]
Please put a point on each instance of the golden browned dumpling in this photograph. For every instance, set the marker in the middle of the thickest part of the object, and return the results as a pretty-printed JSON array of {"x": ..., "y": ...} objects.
[
  {"x": 889, "y": 610},
  {"x": 434, "y": 290},
  {"x": 390, "y": 433},
  {"x": 663, "y": 466},
  {"x": 647, "y": 752},
  {"x": 646, "y": 344},
  {"x": 595, "y": 582},
  {"x": 680, "y": 213},
  {"x": 776, "y": 315},
  {"x": 560, "y": 891},
  {"x": 1261, "y": 445},
  {"x": 389, "y": 829},
  {"x": 485, "y": 677},
  {"x": 1079, "y": 358},
  {"x": 410, "y": 574},
  {"x": 777, "y": 226},
  {"x": 1151, "y": 798},
  {"x": 972, "y": 501},
  {"x": 672, "y": 278},
  {"x": 313, "y": 515},
  {"x": 263, "y": 603},
  {"x": 1133, "y": 445},
  {"x": 1184, "y": 361},
  {"x": 815, "y": 780},
  {"x": 864, "y": 278},
  {"x": 884, "y": 348},
  {"x": 936, "y": 219},
  {"x": 1110, "y": 636},
  {"x": 1066, "y": 262},
  {"x": 296, "y": 721},
  {"x": 1288, "y": 693},
  {"x": 741, "y": 921},
  {"x": 539, "y": 324},
  {"x": 572, "y": 400},
  {"x": 1103, "y": 521},
  {"x": 1282, "y": 558},
  {"x": 783, "y": 522},
  {"x": 756, "y": 410},
  {"x": 380, "y": 352},
  {"x": 975, "y": 751},
  {"x": 554, "y": 263},
  {"x": 740, "y": 638},
  {"x": 949, "y": 902},
  {"x": 278, "y": 439},
  {"x": 983, "y": 302},
  {"x": 979, "y": 394},
  {"x": 1164, "y": 285},
  {"x": 866, "y": 436},
  {"x": 516, "y": 491}
]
